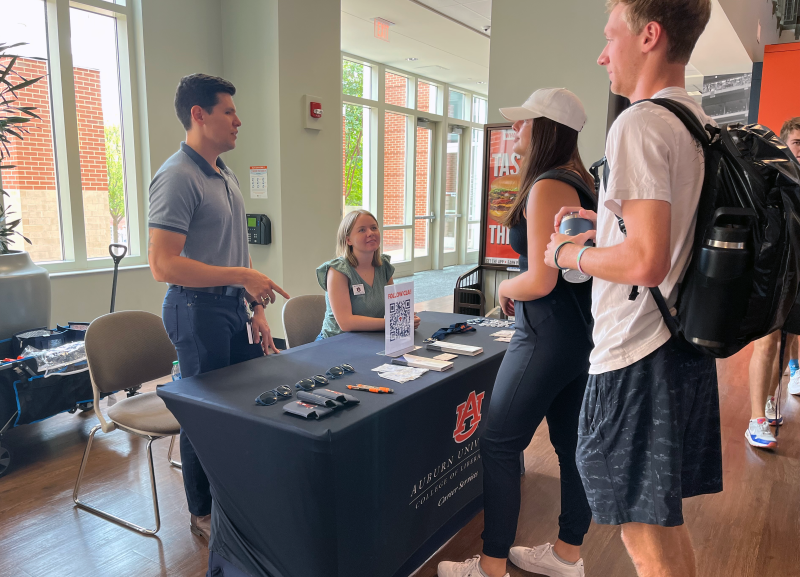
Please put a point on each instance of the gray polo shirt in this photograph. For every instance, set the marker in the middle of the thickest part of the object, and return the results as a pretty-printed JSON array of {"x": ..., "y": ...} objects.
[{"x": 189, "y": 197}]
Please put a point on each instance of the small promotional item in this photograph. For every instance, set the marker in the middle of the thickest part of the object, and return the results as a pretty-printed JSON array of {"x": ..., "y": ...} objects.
[
  {"x": 370, "y": 389},
  {"x": 342, "y": 398},
  {"x": 339, "y": 371},
  {"x": 271, "y": 397},
  {"x": 572, "y": 224},
  {"x": 455, "y": 328},
  {"x": 312, "y": 383},
  {"x": 306, "y": 411},
  {"x": 399, "y": 314},
  {"x": 358, "y": 289},
  {"x": 315, "y": 399}
]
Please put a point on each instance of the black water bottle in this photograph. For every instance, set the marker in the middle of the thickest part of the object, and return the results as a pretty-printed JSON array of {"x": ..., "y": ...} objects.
[{"x": 718, "y": 293}]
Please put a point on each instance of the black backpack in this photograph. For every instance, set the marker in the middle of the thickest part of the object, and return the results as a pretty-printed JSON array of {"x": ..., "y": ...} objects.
[{"x": 750, "y": 175}]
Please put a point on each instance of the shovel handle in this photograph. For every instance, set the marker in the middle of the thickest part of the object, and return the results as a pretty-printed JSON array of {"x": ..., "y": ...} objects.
[{"x": 117, "y": 256}]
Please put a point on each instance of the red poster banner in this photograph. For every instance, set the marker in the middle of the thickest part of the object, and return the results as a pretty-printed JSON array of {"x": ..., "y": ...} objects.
[{"x": 500, "y": 186}]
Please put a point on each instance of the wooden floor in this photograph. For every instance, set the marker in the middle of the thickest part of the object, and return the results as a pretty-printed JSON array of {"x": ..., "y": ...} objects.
[{"x": 752, "y": 528}]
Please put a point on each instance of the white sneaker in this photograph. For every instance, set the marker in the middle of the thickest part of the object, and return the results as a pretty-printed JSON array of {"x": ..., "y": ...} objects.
[
  {"x": 468, "y": 568},
  {"x": 542, "y": 560},
  {"x": 771, "y": 410},
  {"x": 794, "y": 384},
  {"x": 759, "y": 435}
]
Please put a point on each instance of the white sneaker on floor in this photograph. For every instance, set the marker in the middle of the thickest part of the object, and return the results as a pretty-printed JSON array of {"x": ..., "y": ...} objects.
[
  {"x": 794, "y": 384},
  {"x": 759, "y": 435},
  {"x": 468, "y": 568},
  {"x": 542, "y": 560},
  {"x": 773, "y": 416}
]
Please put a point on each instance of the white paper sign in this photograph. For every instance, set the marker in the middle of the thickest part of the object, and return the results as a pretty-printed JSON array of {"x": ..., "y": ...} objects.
[
  {"x": 258, "y": 182},
  {"x": 399, "y": 313}
]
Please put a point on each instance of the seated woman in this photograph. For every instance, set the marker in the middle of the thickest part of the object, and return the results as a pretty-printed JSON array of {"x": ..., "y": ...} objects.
[{"x": 355, "y": 279}]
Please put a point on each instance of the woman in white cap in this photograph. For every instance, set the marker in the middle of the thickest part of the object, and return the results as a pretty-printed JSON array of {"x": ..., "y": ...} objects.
[{"x": 545, "y": 370}]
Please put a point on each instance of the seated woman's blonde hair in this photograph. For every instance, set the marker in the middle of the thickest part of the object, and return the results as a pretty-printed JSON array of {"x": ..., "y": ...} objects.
[{"x": 345, "y": 228}]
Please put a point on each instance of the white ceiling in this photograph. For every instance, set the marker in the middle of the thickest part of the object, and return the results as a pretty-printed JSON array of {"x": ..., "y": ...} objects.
[
  {"x": 459, "y": 54},
  {"x": 474, "y": 13},
  {"x": 446, "y": 51}
]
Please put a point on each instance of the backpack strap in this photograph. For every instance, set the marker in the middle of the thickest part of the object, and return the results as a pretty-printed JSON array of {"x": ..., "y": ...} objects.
[
  {"x": 575, "y": 181},
  {"x": 703, "y": 135}
]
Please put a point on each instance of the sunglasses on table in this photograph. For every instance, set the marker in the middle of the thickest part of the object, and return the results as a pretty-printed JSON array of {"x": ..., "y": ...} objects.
[
  {"x": 321, "y": 380},
  {"x": 271, "y": 397}
]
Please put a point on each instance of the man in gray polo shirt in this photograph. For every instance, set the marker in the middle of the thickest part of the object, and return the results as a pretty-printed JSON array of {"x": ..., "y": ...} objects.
[{"x": 198, "y": 244}]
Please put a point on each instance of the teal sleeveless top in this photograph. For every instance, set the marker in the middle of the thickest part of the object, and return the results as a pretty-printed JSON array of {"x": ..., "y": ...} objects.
[{"x": 369, "y": 304}]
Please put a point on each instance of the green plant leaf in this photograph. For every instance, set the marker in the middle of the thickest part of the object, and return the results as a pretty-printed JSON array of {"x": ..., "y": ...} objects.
[
  {"x": 26, "y": 83},
  {"x": 8, "y": 69},
  {"x": 7, "y": 167}
]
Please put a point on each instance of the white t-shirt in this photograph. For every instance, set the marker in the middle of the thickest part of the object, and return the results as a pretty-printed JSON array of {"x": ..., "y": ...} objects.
[{"x": 651, "y": 155}]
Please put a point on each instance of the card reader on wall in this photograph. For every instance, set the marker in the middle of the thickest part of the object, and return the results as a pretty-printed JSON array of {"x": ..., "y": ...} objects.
[{"x": 259, "y": 229}]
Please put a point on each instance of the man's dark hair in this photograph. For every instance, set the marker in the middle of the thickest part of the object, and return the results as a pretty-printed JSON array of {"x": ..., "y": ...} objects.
[{"x": 199, "y": 90}]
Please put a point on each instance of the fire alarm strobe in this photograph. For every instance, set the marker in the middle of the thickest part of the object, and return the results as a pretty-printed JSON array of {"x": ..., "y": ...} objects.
[{"x": 312, "y": 112}]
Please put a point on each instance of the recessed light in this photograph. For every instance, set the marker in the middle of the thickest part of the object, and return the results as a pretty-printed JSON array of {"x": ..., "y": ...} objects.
[
  {"x": 481, "y": 82},
  {"x": 412, "y": 59}
]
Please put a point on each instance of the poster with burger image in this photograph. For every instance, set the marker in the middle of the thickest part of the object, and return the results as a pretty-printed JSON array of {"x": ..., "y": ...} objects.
[{"x": 501, "y": 184}]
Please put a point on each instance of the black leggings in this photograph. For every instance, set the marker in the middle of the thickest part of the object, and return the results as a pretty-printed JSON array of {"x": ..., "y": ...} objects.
[{"x": 544, "y": 374}]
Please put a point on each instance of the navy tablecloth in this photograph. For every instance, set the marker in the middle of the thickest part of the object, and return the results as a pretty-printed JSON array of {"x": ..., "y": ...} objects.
[{"x": 371, "y": 490}]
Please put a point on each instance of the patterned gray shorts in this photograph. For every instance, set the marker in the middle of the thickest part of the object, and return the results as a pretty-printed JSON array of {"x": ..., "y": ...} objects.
[{"x": 649, "y": 436}]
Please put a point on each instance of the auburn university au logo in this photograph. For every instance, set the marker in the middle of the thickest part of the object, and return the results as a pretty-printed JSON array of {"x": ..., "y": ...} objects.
[{"x": 469, "y": 415}]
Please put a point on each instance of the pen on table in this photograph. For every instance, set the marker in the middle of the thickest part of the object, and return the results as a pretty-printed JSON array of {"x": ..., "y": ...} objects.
[{"x": 370, "y": 389}]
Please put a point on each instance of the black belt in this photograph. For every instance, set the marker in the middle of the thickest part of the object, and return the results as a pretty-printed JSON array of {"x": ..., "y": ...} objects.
[{"x": 228, "y": 291}]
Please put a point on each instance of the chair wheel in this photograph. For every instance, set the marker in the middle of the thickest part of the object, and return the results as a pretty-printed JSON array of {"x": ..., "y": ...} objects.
[
  {"x": 5, "y": 460},
  {"x": 86, "y": 406}
]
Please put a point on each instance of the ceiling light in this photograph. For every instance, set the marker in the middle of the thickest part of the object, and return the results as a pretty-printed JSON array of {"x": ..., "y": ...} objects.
[
  {"x": 412, "y": 59},
  {"x": 481, "y": 82}
]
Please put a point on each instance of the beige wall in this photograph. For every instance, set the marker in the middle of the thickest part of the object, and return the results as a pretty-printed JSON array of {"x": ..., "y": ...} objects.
[
  {"x": 550, "y": 43},
  {"x": 273, "y": 67},
  {"x": 176, "y": 38}
]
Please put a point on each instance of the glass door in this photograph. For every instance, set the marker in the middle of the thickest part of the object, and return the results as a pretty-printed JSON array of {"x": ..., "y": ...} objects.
[
  {"x": 423, "y": 196},
  {"x": 451, "y": 196}
]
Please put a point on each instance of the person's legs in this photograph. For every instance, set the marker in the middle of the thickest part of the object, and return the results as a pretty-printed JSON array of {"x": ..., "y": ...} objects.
[
  {"x": 199, "y": 326},
  {"x": 649, "y": 436},
  {"x": 516, "y": 409},
  {"x": 762, "y": 366},
  {"x": 575, "y": 517},
  {"x": 534, "y": 371},
  {"x": 660, "y": 551},
  {"x": 764, "y": 372}
]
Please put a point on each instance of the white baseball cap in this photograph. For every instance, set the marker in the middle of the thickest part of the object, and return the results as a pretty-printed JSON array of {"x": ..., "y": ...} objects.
[{"x": 557, "y": 104}]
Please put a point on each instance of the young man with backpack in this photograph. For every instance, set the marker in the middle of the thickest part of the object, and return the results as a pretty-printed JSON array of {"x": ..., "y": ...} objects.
[{"x": 649, "y": 433}]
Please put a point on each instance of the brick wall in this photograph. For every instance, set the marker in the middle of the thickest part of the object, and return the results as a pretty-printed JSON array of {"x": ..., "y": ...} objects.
[
  {"x": 394, "y": 178},
  {"x": 32, "y": 185}
]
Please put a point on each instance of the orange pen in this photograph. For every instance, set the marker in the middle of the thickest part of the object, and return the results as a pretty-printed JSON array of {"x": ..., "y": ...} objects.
[{"x": 370, "y": 389}]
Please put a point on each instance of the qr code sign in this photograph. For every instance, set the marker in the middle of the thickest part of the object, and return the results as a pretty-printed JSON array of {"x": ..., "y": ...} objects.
[{"x": 399, "y": 327}]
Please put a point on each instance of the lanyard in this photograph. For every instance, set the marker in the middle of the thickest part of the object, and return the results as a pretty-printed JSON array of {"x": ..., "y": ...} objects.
[{"x": 455, "y": 328}]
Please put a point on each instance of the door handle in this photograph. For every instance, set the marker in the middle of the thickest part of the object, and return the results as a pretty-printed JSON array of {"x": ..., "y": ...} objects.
[{"x": 425, "y": 217}]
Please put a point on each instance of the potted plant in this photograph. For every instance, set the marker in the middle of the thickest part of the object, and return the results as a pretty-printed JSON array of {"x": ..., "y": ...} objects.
[{"x": 24, "y": 287}]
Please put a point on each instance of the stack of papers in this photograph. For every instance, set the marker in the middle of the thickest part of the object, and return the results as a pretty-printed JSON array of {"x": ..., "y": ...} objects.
[
  {"x": 422, "y": 363},
  {"x": 399, "y": 374},
  {"x": 454, "y": 348},
  {"x": 503, "y": 336}
]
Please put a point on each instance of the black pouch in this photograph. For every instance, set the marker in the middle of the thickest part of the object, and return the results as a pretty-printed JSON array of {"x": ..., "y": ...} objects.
[
  {"x": 315, "y": 399},
  {"x": 306, "y": 411},
  {"x": 342, "y": 398}
]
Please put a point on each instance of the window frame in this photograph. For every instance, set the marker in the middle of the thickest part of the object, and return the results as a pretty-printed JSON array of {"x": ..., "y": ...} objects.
[
  {"x": 64, "y": 120},
  {"x": 442, "y": 122}
]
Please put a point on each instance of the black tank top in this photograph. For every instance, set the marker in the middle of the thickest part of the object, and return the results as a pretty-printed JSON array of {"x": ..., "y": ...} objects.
[{"x": 565, "y": 293}]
